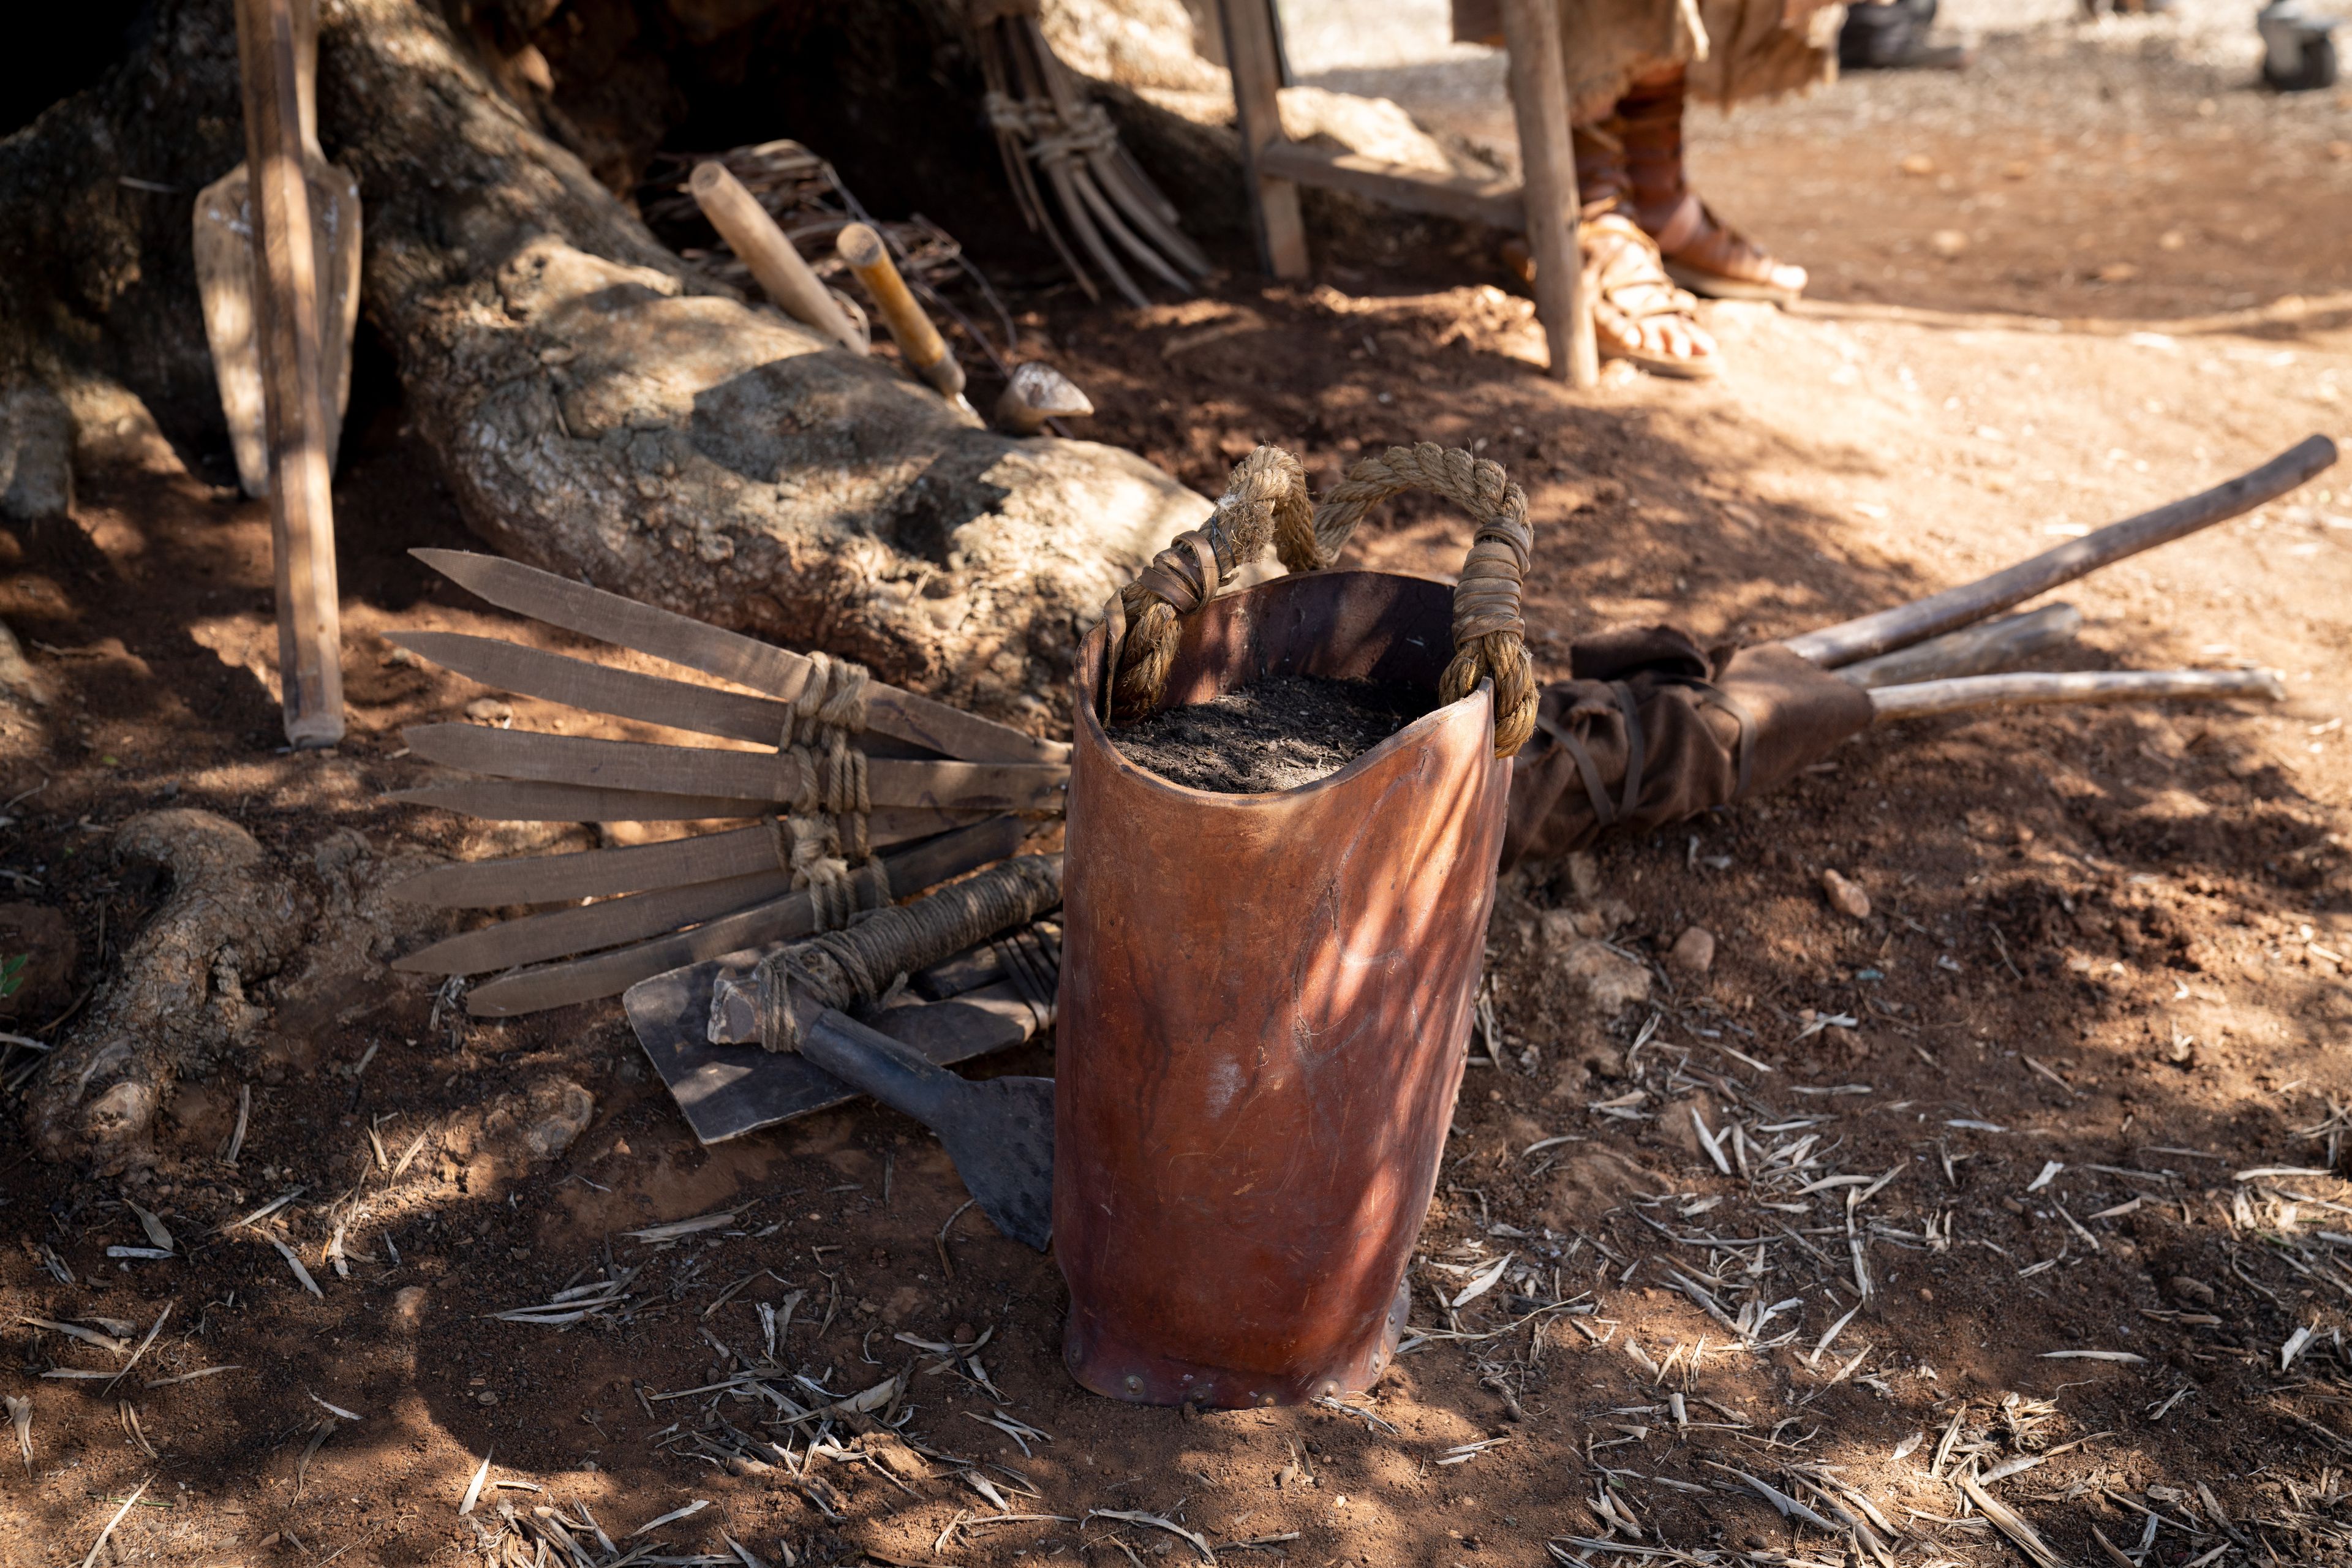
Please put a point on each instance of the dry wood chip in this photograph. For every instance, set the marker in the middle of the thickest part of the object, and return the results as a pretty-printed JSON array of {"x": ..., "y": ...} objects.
[
  {"x": 2125, "y": 1357},
  {"x": 153, "y": 1329},
  {"x": 20, "y": 1416},
  {"x": 2050, "y": 1169},
  {"x": 153, "y": 1226},
  {"x": 90, "y": 1336},
  {"x": 1198, "y": 1543},
  {"x": 264, "y": 1212},
  {"x": 474, "y": 1488},
  {"x": 336, "y": 1409},
  {"x": 1485, "y": 1281},
  {"x": 2129, "y": 1207},
  {"x": 191, "y": 1376},
  {"x": 674, "y": 1515},
  {"x": 2261, "y": 1172},
  {"x": 2012, "y": 1524},
  {"x": 677, "y": 1227},
  {"x": 295, "y": 1263},
  {"x": 236, "y": 1144},
  {"x": 128, "y": 1504},
  {"x": 1789, "y": 1507}
]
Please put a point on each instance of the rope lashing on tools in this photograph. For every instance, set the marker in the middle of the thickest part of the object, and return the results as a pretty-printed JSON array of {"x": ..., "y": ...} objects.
[
  {"x": 846, "y": 968},
  {"x": 1267, "y": 499},
  {"x": 826, "y": 827}
]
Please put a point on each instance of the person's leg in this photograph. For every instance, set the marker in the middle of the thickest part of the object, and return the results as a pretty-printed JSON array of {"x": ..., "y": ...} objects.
[{"x": 1702, "y": 253}]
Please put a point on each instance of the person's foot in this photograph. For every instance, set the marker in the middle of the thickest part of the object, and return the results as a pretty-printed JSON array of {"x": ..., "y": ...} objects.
[
  {"x": 1638, "y": 315},
  {"x": 1701, "y": 252}
]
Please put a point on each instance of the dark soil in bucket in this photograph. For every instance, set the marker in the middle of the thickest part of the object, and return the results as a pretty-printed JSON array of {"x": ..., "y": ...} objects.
[{"x": 1273, "y": 734}]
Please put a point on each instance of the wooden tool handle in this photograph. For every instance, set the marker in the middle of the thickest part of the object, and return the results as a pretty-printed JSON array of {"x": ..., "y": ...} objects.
[
  {"x": 753, "y": 236},
  {"x": 927, "y": 352},
  {"x": 297, "y": 403}
]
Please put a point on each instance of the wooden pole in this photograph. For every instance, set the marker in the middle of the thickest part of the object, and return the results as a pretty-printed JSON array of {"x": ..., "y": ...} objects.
[
  {"x": 1252, "y": 55},
  {"x": 926, "y": 352},
  {"x": 1979, "y": 649},
  {"x": 1540, "y": 102},
  {"x": 1922, "y": 618},
  {"x": 768, "y": 251},
  {"x": 1973, "y": 691},
  {"x": 298, "y": 405}
]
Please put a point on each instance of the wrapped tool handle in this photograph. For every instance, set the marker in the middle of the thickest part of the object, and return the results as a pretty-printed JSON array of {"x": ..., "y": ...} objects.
[{"x": 1266, "y": 499}]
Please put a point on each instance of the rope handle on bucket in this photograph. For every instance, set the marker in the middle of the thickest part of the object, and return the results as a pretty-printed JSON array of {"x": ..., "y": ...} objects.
[{"x": 1266, "y": 498}]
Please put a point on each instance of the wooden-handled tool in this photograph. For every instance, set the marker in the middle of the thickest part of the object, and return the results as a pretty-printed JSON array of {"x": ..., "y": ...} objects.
[
  {"x": 927, "y": 352},
  {"x": 225, "y": 275},
  {"x": 768, "y": 251},
  {"x": 1036, "y": 394},
  {"x": 298, "y": 398}
]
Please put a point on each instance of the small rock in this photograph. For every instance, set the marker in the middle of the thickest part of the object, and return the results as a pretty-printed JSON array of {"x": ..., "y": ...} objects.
[
  {"x": 2017, "y": 169},
  {"x": 558, "y": 1111},
  {"x": 489, "y": 711},
  {"x": 1693, "y": 953},
  {"x": 1609, "y": 980},
  {"x": 1583, "y": 873},
  {"x": 1845, "y": 895},
  {"x": 2171, "y": 239},
  {"x": 2117, "y": 272},
  {"x": 1917, "y": 165},
  {"x": 487, "y": 1397},
  {"x": 16, "y": 672},
  {"x": 2196, "y": 1290},
  {"x": 408, "y": 1306},
  {"x": 1948, "y": 243}
]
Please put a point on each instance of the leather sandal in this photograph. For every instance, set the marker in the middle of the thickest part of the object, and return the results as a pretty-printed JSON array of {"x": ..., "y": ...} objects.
[
  {"x": 1627, "y": 289},
  {"x": 1702, "y": 253}
]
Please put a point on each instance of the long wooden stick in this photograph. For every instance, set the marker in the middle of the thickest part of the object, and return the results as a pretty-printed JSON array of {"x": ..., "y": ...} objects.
[
  {"x": 730, "y": 656},
  {"x": 1972, "y": 650},
  {"x": 522, "y": 800},
  {"x": 1906, "y": 623},
  {"x": 774, "y": 778},
  {"x": 926, "y": 352},
  {"x": 1538, "y": 76},
  {"x": 635, "y": 868},
  {"x": 610, "y": 974},
  {"x": 1972, "y": 692},
  {"x": 298, "y": 403},
  {"x": 768, "y": 251}
]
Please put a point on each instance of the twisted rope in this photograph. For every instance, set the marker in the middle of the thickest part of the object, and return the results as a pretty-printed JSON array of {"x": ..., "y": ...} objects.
[
  {"x": 847, "y": 968},
  {"x": 1264, "y": 499},
  {"x": 826, "y": 827},
  {"x": 1489, "y": 631},
  {"x": 1054, "y": 136}
]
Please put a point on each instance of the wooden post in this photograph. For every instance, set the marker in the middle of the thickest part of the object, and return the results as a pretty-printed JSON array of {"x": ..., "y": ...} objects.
[
  {"x": 1252, "y": 57},
  {"x": 298, "y": 405},
  {"x": 1540, "y": 102}
]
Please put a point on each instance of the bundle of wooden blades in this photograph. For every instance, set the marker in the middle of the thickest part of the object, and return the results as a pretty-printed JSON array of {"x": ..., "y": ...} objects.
[
  {"x": 949, "y": 793},
  {"x": 1041, "y": 117}
]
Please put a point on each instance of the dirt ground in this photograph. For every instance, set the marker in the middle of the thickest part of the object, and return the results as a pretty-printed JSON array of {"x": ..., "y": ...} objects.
[{"x": 2102, "y": 986}]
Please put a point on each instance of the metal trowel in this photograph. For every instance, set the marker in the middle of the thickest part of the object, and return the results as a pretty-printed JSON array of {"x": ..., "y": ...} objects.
[
  {"x": 998, "y": 1130},
  {"x": 223, "y": 250}
]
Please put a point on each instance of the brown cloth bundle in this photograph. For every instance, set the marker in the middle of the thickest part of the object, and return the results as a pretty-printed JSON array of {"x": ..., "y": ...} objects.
[{"x": 1651, "y": 729}]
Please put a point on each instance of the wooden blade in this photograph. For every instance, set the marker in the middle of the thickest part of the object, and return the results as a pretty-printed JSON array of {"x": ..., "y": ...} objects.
[
  {"x": 730, "y": 655},
  {"x": 780, "y": 920},
  {"x": 739, "y": 775},
  {"x": 600, "y": 873},
  {"x": 588, "y": 927}
]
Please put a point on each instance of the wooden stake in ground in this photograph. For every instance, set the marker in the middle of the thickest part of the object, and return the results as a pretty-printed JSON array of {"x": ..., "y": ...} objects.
[
  {"x": 297, "y": 401},
  {"x": 1540, "y": 103}
]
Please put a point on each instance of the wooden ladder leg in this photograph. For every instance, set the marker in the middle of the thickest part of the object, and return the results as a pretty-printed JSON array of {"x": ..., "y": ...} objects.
[
  {"x": 297, "y": 401},
  {"x": 1251, "y": 54},
  {"x": 1540, "y": 102}
]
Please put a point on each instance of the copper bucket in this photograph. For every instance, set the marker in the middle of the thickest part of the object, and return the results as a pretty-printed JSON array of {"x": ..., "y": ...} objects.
[{"x": 1266, "y": 999}]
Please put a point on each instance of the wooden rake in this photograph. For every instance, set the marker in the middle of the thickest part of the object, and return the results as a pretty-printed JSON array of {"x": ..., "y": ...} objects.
[
  {"x": 1045, "y": 125},
  {"x": 948, "y": 791},
  {"x": 1933, "y": 654}
]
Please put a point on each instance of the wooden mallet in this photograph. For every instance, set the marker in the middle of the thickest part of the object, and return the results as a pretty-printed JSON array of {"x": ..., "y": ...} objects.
[
  {"x": 927, "y": 352},
  {"x": 768, "y": 251}
]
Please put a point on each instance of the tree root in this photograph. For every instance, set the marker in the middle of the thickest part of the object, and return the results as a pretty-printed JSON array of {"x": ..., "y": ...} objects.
[{"x": 179, "y": 996}]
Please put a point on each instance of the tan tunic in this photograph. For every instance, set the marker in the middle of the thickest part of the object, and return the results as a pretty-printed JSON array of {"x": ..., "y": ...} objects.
[{"x": 1731, "y": 48}]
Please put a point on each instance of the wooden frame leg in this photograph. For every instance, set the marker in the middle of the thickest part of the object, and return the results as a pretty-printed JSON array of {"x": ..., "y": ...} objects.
[
  {"x": 1539, "y": 101},
  {"x": 1253, "y": 56},
  {"x": 298, "y": 405}
]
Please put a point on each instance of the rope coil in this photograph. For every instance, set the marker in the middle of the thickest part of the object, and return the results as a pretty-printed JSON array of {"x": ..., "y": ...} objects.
[
  {"x": 824, "y": 827},
  {"x": 1266, "y": 499}
]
